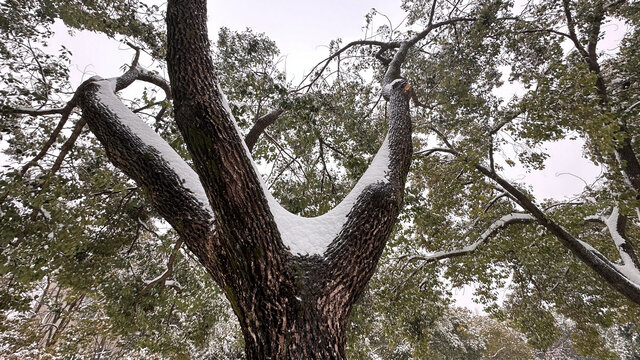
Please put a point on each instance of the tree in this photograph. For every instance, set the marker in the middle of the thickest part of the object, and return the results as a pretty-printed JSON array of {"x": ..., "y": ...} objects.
[
  {"x": 582, "y": 92},
  {"x": 292, "y": 298},
  {"x": 291, "y": 289}
]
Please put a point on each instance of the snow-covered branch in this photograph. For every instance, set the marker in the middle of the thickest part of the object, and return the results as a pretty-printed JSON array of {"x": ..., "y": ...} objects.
[
  {"x": 171, "y": 184},
  {"x": 492, "y": 230},
  {"x": 625, "y": 278},
  {"x": 162, "y": 278},
  {"x": 99, "y": 102},
  {"x": 615, "y": 224},
  {"x": 134, "y": 73}
]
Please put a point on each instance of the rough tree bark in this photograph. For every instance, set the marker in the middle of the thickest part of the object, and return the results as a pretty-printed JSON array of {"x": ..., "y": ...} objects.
[{"x": 289, "y": 305}]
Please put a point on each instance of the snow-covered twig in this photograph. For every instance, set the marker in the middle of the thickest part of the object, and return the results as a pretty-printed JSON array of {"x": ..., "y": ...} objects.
[{"x": 162, "y": 278}]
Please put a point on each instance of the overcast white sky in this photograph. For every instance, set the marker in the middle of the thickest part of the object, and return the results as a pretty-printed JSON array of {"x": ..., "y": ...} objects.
[{"x": 301, "y": 29}]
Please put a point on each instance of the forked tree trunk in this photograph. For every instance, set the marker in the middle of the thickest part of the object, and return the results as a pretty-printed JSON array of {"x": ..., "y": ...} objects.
[
  {"x": 289, "y": 306},
  {"x": 291, "y": 303}
]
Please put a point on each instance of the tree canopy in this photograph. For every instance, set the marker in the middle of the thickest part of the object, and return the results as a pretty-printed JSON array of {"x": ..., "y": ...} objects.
[{"x": 88, "y": 265}]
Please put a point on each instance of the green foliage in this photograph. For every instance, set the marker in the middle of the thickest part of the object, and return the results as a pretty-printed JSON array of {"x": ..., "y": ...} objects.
[
  {"x": 87, "y": 235},
  {"x": 456, "y": 77}
]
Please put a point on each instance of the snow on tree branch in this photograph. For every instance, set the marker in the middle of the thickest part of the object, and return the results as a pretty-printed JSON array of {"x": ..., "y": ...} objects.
[
  {"x": 615, "y": 224},
  {"x": 162, "y": 278},
  {"x": 492, "y": 230},
  {"x": 625, "y": 278},
  {"x": 312, "y": 236},
  {"x": 105, "y": 96}
]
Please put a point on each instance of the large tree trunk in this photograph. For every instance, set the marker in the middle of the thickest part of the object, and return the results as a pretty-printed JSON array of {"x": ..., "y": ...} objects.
[
  {"x": 309, "y": 322},
  {"x": 290, "y": 306},
  {"x": 292, "y": 298}
]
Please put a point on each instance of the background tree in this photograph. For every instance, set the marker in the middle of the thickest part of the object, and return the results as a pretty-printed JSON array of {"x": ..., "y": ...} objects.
[{"x": 537, "y": 265}]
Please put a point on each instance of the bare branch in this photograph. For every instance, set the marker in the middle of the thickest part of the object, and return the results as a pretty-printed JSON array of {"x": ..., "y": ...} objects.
[
  {"x": 433, "y": 12},
  {"x": 136, "y": 58},
  {"x": 148, "y": 106},
  {"x": 260, "y": 125},
  {"x": 510, "y": 116},
  {"x": 572, "y": 29},
  {"x": 562, "y": 204},
  {"x": 393, "y": 70},
  {"x": 319, "y": 68},
  {"x": 139, "y": 73},
  {"x": 36, "y": 112},
  {"x": 494, "y": 200},
  {"x": 633, "y": 106},
  {"x": 492, "y": 166},
  {"x": 417, "y": 102},
  {"x": 443, "y": 138},
  {"x": 68, "y": 145},
  {"x": 614, "y": 4},
  {"x": 431, "y": 151},
  {"x": 385, "y": 61}
]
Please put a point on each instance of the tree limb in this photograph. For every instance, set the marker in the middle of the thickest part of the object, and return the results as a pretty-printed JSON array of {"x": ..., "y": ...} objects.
[
  {"x": 371, "y": 218},
  {"x": 169, "y": 269},
  {"x": 393, "y": 70},
  {"x": 503, "y": 222},
  {"x": 431, "y": 151},
  {"x": 260, "y": 125},
  {"x": 616, "y": 224},
  {"x": 610, "y": 272},
  {"x": 624, "y": 280},
  {"x": 134, "y": 73},
  {"x": 136, "y": 149},
  {"x": 318, "y": 69},
  {"x": 572, "y": 28}
]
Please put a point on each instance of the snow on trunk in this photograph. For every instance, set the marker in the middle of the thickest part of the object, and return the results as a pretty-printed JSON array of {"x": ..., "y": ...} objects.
[{"x": 312, "y": 236}]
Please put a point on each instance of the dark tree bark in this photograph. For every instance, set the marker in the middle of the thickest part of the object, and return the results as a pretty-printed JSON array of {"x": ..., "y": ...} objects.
[
  {"x": 289, "y": 306},
  {"x": 261, "y": 124}
]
